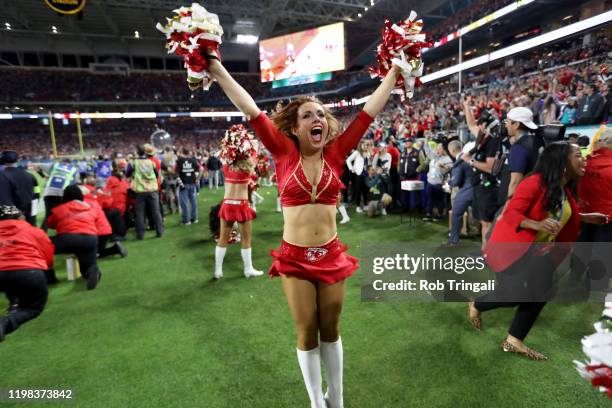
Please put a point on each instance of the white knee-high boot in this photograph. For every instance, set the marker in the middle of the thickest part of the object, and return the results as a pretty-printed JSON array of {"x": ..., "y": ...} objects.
[
  {"x": 332, "y": 355},
  {"x": 278, "y": 205},
  {"x": 310, "y": 364},
  {"x": 248, "y": 263},
  {"x": 219, "y": 255},
  {"x": 344, "y": 214},
  {"x": 257, "y": 198}
]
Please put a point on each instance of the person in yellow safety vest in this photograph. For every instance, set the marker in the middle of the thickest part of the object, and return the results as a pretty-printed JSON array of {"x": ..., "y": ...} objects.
[
  {"x": 62, "y": 175},
  {"x": 144, "y": 184}
]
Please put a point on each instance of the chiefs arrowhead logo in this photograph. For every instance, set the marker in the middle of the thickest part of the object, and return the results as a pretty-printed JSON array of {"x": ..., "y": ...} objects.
[{"x": 315, "y": 254}]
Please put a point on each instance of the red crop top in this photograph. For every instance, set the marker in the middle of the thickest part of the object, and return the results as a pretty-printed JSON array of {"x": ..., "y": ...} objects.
[
  {"x": 292, "y": 182},
  {"x": 235, "y": 177}
]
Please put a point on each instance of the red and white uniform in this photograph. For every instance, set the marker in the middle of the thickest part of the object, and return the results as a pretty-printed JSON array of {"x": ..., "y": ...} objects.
[
  {"x": 23, "y": 246},
  {"x": 235, "y": 209},
  {"x": 329, "y": 261}
]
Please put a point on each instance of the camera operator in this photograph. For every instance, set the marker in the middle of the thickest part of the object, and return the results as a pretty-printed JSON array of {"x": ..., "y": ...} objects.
[
  {"x": 523, "y": 154},
  {"x": 482, "y": 159}
]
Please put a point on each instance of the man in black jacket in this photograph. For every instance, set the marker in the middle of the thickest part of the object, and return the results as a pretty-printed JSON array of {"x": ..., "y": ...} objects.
[
  {"x": 21, "y": 184},
  {"x": 187, "y": 169},
  {"x": 214, "y": 165},
  {"x": 409, "y": 161},
  {"x": 591, "y": 107}
]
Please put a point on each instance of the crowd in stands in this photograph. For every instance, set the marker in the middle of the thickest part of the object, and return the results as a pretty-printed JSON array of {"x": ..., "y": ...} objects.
[
  {"x": 50, "y": 85},
  {"x": 466, "y": 16}
]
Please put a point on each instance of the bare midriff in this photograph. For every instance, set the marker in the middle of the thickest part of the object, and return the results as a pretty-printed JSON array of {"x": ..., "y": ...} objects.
[
  {"x": 309, "y": 224},
  {"x": 236, "y": 191}
]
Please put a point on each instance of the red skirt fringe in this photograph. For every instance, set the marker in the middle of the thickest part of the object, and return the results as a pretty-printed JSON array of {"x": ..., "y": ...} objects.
[
  {"x": 236, "y": 210},
  {"x": 328, "y": 263}
]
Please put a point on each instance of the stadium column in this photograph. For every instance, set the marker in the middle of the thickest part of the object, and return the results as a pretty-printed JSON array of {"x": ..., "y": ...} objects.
[
  {"x": 52, "y": 130},
  {"x": 80, "y": 134},
  {"x": 459, "y": 60}
]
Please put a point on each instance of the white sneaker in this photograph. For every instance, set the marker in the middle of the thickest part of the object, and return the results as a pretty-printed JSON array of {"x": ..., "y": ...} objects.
[
  {"x": 383, "y": 211},
  {"x": 344, "y": 220},
  {"x": 252, "y": 273},
  {"x": 218, "y": 274},
  {"x": 358, "y": 210}
]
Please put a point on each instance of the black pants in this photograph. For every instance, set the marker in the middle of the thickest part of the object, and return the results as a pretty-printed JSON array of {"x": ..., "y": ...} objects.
[
  {"x": 115, "y": 219},
  {"x": 591, "y": 249},
  {"x": 526, "y": 284},
  {"x": 346, "y": 180},
  {"x": 396, "y": 187},
  {"x": 435, "y": 198},
  {"x": 85, "y": 247},
  {"x": 151, "y": 200},
  {"x": 103, "y": 250},
  {"x": 29, "y": 286},
  {"x": 360, "y": 190},
  {"x": 50, "y": 203}
]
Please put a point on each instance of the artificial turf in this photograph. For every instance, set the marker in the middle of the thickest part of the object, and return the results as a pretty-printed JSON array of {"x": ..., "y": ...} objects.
[{"x": 159, "y": 332}]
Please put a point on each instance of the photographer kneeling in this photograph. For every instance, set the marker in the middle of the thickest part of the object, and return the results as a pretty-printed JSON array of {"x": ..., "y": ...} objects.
[{"x": 379, "y": 191}]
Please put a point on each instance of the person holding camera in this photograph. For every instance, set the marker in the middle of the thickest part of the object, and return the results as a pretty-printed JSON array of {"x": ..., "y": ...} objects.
[
  {"x": 461, "y": 176},
  {"x": 482, "y": 159},
  {"x": 439, "y": 165}
]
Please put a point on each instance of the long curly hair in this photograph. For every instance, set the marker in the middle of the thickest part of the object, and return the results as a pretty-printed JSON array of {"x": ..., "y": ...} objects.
[
  {"x": 285, "y": 117},
  {"x": 552, "y": 165},
  {"x": 247, "y": 165}
]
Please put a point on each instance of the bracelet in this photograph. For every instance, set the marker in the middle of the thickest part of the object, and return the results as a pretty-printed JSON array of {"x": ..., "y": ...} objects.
[{"x": 210, "y": 56}]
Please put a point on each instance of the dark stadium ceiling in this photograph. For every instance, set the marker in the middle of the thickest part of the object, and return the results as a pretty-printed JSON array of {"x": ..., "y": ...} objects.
[{"x": 119, "y": 19}]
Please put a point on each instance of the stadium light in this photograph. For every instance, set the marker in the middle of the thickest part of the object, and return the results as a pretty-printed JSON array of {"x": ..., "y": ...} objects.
[
  {"x": 8, "y": 26},
  {"x": 522, "y": 46},
  {"x": 246, "y": 39},
  {"x": 136, "y": 34},
  {"x": 54, "y": 29},
  {"x": 481, "y": 22}
]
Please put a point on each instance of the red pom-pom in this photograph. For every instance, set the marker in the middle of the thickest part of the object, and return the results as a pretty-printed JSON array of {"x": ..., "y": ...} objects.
[{"x": 401, "y": 45}]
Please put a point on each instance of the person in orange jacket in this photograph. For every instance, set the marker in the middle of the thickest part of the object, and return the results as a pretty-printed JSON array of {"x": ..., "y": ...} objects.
[
  {"x": 25, "y": 253},
  {"x": 77, "y": 224}
]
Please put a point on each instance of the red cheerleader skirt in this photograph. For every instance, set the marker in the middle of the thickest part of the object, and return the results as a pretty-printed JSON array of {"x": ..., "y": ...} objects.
[
  {"x": 328, "y": 263},
  {"x": 236, "y": 210}
]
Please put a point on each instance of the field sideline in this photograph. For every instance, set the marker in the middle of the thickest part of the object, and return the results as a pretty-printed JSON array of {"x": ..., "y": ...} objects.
[{"x": 159, "y": 332}]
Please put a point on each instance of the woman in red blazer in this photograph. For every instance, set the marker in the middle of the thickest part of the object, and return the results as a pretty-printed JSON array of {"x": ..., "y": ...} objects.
[{"x": 542, "y": 210}]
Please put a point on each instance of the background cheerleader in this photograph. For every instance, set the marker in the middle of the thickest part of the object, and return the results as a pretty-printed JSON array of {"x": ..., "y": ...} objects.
[{"x": 237, "y": 152}]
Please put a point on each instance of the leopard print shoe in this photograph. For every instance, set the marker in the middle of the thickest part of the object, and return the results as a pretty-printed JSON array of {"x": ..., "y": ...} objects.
[{"x": 529, "y": 353}]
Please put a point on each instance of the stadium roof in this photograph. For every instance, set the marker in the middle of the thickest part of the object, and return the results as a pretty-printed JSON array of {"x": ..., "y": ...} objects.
[{"x": 114, "y": 22}]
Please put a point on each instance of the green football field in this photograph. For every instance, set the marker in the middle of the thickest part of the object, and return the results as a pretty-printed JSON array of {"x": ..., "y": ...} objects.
[{"x": 159, "y": 332}]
